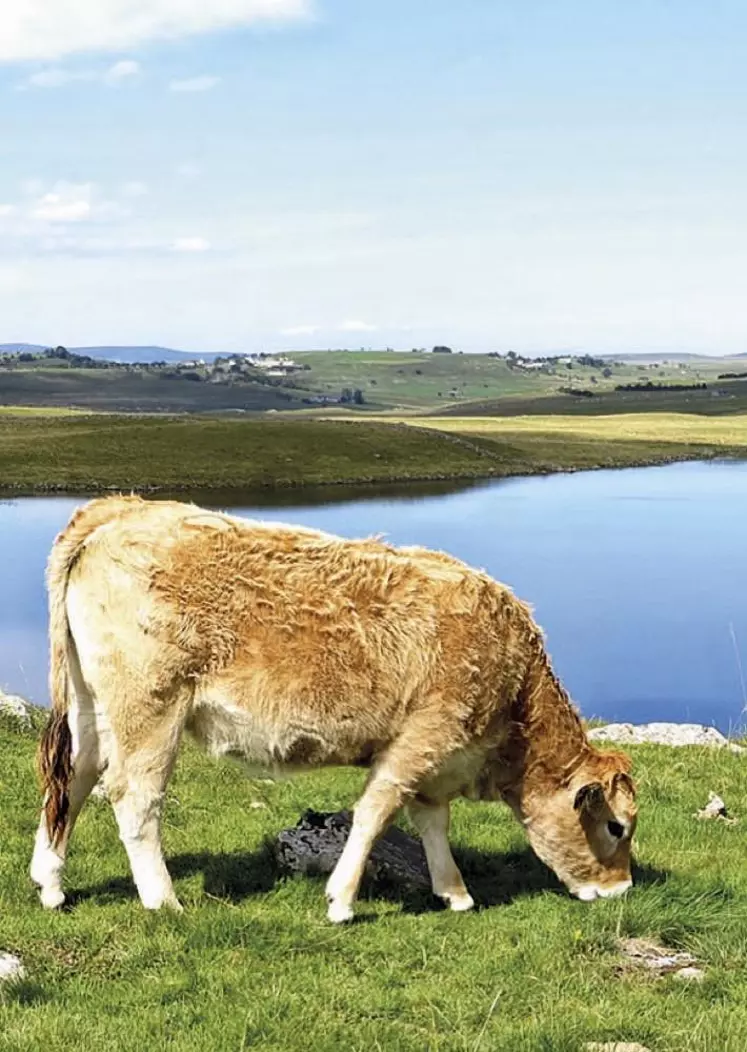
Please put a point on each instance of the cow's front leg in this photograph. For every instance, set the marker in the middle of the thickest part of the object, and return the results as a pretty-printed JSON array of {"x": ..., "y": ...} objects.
[
  {"x": 432, "y": 822},
  {"x": 378, "y": 805}
]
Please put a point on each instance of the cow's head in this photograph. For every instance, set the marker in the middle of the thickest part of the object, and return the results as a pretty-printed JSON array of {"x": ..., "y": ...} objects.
[{"x": 583, "y": 830}]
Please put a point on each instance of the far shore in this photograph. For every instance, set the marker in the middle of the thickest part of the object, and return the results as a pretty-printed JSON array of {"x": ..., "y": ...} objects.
[{"x": 86, "y": 454}]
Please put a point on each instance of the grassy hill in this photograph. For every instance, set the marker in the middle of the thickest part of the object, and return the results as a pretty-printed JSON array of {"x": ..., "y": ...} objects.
[
  {"x": 253, "y": 963},
  {"x": 385, "y": 381},
  {"x": 118, "y": 390}
]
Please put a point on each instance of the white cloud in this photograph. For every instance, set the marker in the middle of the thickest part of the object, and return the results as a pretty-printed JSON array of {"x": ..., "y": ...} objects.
[
  {"x": 300, "y": 330},
  {"x": 67, "y": 203},
  {"x": 191, "y": 244},
  {"x": 49, "y": 29},
  {"x": 203, "y": 83},
  {"x": 124, "y": 70},
  {"x": 353, "y": 325},
  {"x": 7, "y": 210},
  {"x": 56, "y": 77}
]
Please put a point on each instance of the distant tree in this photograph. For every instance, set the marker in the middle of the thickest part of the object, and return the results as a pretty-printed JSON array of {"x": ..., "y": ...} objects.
[
  {"x": 346, "y": 395},
  {"x": 440, "y": 349},
  {"x": 358, "y": 398},
  {"x": 606, "y": 372}
]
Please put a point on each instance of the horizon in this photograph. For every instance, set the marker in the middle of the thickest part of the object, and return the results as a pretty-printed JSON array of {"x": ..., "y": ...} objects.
[{"x": 290, "y": 175}]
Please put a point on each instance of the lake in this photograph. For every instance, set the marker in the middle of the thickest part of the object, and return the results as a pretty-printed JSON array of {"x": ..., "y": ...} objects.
[{"x": 639, "y": 577}]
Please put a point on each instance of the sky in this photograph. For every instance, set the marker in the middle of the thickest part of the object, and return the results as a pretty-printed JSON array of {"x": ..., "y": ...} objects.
[{"x": 535, "y": 175}]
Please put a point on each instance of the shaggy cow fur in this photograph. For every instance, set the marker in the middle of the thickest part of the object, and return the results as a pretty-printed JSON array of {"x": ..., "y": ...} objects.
[{"x": 291, "y": 649}]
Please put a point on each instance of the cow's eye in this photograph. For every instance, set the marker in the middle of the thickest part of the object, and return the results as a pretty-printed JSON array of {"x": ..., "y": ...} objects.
[{"x": 616, "y": 830}]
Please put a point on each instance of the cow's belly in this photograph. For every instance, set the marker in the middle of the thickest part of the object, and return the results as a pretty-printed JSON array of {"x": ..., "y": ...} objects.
[{"x": 277, "y": 747}]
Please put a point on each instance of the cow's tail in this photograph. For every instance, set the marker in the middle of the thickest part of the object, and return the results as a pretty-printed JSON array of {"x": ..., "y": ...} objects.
[{"x": 55, "y": 755}]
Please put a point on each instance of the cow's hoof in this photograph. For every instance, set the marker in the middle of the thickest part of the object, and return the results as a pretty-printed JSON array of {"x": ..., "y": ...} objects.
[
  {"x": 459, "y": 903},
  {"x": 339, "y": 912},
  {"x": 52, "y": 898},
  {"x": 171, "y": 903}
]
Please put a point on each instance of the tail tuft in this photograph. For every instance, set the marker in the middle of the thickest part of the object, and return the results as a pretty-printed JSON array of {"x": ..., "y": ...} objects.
[{"x": 55, "y": 763}]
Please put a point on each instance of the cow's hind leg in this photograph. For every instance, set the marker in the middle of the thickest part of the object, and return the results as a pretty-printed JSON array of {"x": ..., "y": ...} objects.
[
  {"x": 136, "y": 783},
  {"x": 432, "y": 822},
  {"x": 48, "y": 860}
]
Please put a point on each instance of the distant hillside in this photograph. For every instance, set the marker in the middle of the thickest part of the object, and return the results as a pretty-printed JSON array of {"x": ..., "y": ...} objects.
[
  {"x": 144, "y": 354},
  {"x": 19, "y": 348},
  {"x": 121, "y": 354}
]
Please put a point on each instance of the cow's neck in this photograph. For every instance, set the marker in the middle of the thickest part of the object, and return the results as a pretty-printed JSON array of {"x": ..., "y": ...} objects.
[{"x": 549, "y": 743}]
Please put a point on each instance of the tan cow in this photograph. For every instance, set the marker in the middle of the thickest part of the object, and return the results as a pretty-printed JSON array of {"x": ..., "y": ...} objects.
[{"x": 292, "y": 648}]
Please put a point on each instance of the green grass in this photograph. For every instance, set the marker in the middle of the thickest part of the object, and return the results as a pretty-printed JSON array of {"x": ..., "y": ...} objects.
[
  {"x": 252, "y": 962},
  {"x": 86, "y": 453}
]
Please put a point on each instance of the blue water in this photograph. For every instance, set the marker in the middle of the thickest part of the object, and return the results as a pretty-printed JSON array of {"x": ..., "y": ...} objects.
[{"x": 639, "y": 577}]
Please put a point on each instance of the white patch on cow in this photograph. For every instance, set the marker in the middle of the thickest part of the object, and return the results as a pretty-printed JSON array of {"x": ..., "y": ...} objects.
[
  {"x": 138, "y": 814},
  {"x": 46, "y": 869},
  {"x": 226, "y": 730}
]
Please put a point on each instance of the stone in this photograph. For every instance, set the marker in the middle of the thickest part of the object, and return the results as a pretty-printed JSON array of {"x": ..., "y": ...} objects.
[
  {"x": 11, "y": 967},
  {"x": 716, "y": 809},
  {"x": 643, "y": 953},
  {"x": 316, "y": 842},
  {"x": 663, "y": 734},
  {"x": 696, "y": 975},
  {"x": 615, "y": 1046},
  {"x": 15, "y": 706}
]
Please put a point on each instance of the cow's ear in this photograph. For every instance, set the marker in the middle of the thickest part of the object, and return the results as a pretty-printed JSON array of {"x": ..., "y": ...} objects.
[
  {"x": 589, "y": 797},
  {"x": 622, "y": 780}
]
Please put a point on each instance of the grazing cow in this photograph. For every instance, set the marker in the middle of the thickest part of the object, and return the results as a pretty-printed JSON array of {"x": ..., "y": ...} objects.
[{"x": 292, "y": 648}]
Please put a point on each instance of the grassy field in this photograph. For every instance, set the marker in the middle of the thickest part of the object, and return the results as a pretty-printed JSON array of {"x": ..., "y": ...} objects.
[
  {"x": 252, "y": 962},
  {"x": 86, "y": 453}
]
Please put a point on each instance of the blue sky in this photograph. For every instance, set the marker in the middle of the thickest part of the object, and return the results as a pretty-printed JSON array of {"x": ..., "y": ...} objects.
[{"x": 255, "y": 174}]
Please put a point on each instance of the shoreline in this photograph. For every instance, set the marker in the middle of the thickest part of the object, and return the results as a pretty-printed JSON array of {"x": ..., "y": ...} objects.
[{"x": 260, "y": 485}]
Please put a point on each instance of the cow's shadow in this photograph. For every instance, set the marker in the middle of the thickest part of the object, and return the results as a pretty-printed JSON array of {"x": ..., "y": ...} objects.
[{"x": 493, "y": 878}]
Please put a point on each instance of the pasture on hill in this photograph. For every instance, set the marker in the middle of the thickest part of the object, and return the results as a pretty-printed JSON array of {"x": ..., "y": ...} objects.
[
  {"x": 253, "y": 963},
  {"x": 376, "y": 381}
]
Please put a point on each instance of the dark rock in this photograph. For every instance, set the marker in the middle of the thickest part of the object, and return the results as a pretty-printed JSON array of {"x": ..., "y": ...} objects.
[{"x": 314, "y": 845}]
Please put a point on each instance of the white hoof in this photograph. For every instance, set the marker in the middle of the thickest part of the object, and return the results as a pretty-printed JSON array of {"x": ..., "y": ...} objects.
[
  {"x": 171, "y": 903},
  {"x": 51, "y": 898},
  {"x": 339, "y": 912},
  {"x": 459, "y": 903}
]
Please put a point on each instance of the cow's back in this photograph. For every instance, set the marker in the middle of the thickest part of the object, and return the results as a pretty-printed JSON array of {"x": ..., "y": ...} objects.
[{"x": 299, "y": 646}]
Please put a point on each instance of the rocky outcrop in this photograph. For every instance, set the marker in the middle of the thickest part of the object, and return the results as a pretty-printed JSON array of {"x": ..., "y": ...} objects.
[
  {"x": 663, "y": 734},
  {"x": 20, "y": 711}
]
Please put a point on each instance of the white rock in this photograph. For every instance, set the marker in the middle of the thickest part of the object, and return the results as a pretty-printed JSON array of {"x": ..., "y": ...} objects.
[
  {"x": 695, "y": 975},
  {"x": 10, "y": 967},
  {"x": 615, "y": 1046},
  {"x": 663, "y": 734},
  {"x": 17, "y": 707}
]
